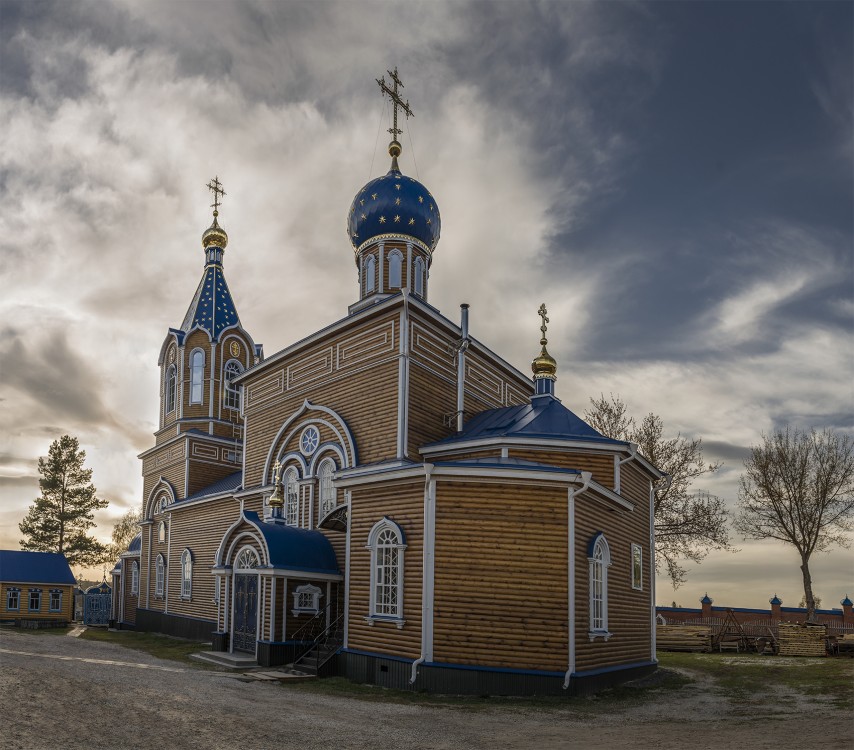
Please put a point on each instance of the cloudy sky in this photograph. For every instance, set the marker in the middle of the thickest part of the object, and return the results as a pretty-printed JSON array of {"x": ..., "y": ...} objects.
[{"x": 673, "y": 179}]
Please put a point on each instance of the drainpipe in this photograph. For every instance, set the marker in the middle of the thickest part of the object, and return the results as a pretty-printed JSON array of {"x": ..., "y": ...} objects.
[
  {"x": 427, "y": 572},
  {"x": 633, "y": 452},
  {"x": 586, "y": 476},
  {"x": 461, "y": 363}
]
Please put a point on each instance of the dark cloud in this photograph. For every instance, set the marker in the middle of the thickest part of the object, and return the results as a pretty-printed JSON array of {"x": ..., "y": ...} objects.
[
  {"x": 20, "y": 482},
  {"x": 718, "y": 449}
]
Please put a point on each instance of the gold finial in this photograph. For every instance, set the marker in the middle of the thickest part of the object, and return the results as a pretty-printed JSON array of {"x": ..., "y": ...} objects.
[
  {"x": 394, "y": 147},
  {"x": 544, "y": 366},
  {"x": 215, "y": 234},
  {"x": 277, "y": 499}
]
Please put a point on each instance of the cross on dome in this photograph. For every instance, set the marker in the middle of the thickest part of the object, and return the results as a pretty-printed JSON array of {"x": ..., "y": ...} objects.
[
  {"x": 394, "y": 95},
  {"x": 215, "y": 186}
]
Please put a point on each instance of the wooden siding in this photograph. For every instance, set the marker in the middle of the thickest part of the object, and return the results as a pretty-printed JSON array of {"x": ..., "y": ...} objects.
[
  {"x": 601, "y": 465},
  {"x": 501, "y": 575},
  {"x": 24, "y": 612},
  {"x": 131, "y": 601},
  {"x": 199, "y": 529},
  {"x": 403, "y": 503},
  {"x": 354, "y": 373},
  {"x": 628, "y": 609}
]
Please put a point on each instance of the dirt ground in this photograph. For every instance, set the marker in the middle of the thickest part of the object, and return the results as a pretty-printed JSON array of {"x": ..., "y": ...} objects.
[{"x": 61, "y": 692}]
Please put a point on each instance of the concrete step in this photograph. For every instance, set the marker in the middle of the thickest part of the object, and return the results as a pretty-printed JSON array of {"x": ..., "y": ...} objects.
[{"x": 236, "y": 660}]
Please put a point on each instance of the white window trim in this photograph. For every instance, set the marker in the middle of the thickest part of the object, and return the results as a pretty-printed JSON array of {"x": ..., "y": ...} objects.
[
  {"x": 170, "y": 393},
  {"x": 159, "y": 576},
  {"x": 291, "y": 510},
  {"x": 418, "y": 272},
  {"x": 17, "y": 593},
  {"x": 30, "y": 607},
  {"x": 51, "y": 594},
  {"x": 598, "y": 541},
  {"x": 134, "y": 579},
  {"x": 231, "y": 394},
  {"x": 370, "y": 275},
  {"x": 637, "y": 585},
  {"x": 161, "y": 532},
  {"x": 201, "y": 383},
  {"x": 321, "y": 468},
  {"x": 186, "y": 580},
  {"x": 395, "y": 256},
  {"x": 315, "y": 593},
  {"x": 373, "y": 538}
]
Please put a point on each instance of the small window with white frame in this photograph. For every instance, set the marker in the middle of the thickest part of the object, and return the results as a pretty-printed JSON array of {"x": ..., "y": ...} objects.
[
  {"x": 13, "y": 599},
  {"x": 197, "y": 375},
  {"x": 291, "y": 497},
  {"x": 328, "y": 495},
  {"x": 159, "y": 575},
  {"x": 370, "y": 274},
  {"x": 233, "y": 368},
  {"x": 306, "y": 600},
  {"x": 186, "y": 574},
  {"x": 637, "y": 567},
  {"x": 35, "y": 600},
  {"x": 171, "y": 388},
  {"x": 386, "y": 543},
  {"x": 599, "y": 560},
  {"x": 55, "y": 603},
  {"x": 134, "y": 578},
  {"x": 395, "y": 269},
  {"x": 161, "y": 532}
]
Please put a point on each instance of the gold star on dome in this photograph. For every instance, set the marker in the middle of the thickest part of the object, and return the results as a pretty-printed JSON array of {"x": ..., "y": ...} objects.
[
  {"x": 374, "y": 196},
  {"x": 429, "y": 221},
  {"x": 382, "y": 219},
  {"x": 431, "y": 206},
  {"x": 421, "y": 199},
  {"x": 361, "y": 203},
  {"x": 397, "y": 187},
  {"x": 364, "y": 217},
  {"x": 397, "y": 201},
  {"x": 397, "y": 218},
  {"x": 411, "y": 222}
]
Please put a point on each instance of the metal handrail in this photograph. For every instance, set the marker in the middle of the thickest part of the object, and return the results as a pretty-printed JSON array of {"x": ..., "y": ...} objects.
[
  {"x": 320, "y": 641},
  {"x": 316, "y": 625}
]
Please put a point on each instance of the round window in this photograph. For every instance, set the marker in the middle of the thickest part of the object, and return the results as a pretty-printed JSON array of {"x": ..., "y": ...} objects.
[{"x": 309, "y": 440}]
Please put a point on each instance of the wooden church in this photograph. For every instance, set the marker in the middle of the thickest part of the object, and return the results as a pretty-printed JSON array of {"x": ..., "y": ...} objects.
[{"x": 388, "y": 499}]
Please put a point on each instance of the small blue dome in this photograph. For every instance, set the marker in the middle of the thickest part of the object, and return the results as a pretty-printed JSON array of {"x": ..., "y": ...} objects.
[
  {"x": 706, "y": 600},
  {"x": 775, "y": 600},
  {"x": 394, "y": 204},
  {"x": 846, "y": 602}
]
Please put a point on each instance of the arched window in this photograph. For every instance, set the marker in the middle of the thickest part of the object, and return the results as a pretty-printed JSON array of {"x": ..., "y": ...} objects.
[
  {"x": 134, "y": 578},
  {"x": 159, "y": 575},
  {"x": 161, "y": 532},
  {"x": 291, "y": 497},
  {"x": 233, "y": 368},
  {"x": 197, "y": 374},
  {"x": 328, "y": 499},
  {"x": 247, "y": 559},
  {"x": 386, "y": 543},
  {"x": 370, "y": 274},
  {"x": 395, "y": 267},
  {"x": 599, "y": 559},
  {"x": 418, "y": 271},
  {"x": 186, "y": 574},
  {"x": 170, "y": 387}
]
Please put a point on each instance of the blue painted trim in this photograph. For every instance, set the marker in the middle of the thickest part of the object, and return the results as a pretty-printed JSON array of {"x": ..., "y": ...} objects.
[
  {"x": 501, "y": 670},
  {"x": 376, "y": 655},
  {"x": 616, "y": 668}
]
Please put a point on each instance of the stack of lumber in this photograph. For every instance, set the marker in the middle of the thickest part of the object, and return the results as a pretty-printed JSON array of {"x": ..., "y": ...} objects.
[
  {"x": 683, "y": 638},
  {"x": 801, "y": 640}
]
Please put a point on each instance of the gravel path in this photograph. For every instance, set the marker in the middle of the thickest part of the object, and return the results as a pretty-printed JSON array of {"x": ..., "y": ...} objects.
[{"x": 67, "y": 693}]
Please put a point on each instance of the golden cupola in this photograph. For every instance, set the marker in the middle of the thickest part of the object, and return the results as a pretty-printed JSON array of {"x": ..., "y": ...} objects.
[{"x": 544, "y": 366}]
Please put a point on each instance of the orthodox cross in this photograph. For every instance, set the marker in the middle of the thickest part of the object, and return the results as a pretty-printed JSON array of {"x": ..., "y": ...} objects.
[
  {"x": 395, "y": 99},
  {"x": 215, "y": 186},
  {"x": 543, "y": 312}
]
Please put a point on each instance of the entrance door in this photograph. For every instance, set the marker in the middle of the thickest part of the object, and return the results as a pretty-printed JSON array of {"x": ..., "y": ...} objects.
[{"x": 245, "y": 612}]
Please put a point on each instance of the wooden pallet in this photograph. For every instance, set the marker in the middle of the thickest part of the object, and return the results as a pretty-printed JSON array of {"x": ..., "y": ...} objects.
[
  {"x": 683, "y": 638},
  {"x": 801, "y": 640}
]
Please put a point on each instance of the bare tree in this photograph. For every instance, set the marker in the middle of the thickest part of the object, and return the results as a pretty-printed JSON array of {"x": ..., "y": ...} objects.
[
  {"x": 126, "y": 528},
  {"x": 798, "y": 488},
  {"x": 688, "y": 525}
]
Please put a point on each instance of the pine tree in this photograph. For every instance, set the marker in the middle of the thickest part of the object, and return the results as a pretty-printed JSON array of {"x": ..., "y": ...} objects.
[{"x": 59, "y": 519}]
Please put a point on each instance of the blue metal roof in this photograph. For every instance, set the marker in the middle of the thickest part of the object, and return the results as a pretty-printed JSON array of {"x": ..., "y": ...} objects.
[
  {"x": 212, "y": 307},
  {"x": 226, "y": 484},
  {"x": 293, "y": 548},
  {"x": 135, "y": 544},
  {"x": 496, "y": 462},
  {"x": 542, "y": 417},
  {"x": 34, "y": 567},
  {"x": 394, "y": 204}
]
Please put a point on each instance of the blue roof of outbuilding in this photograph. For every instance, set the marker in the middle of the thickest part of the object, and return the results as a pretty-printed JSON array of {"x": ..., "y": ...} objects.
[
  {"x": 394, "y": 204},
  {"x": 293, "y": 548},
  {"x": 34, "y": 567},
  {"x": 212, "y": 307},
  {"x": 226, "y": 484},
  {"x": 542, "y": 417}
]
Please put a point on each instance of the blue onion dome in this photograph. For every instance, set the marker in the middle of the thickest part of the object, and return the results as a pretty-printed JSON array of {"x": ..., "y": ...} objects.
[
  {"x": 394, "y": 206},
  {"x": 846, "y": 602},
  {"x": 775, "y": 600},
  {"x": 706, "y": 599}
]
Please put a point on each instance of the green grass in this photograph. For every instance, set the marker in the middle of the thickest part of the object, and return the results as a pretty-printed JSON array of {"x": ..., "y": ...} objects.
[
  {"x": 161, "y": 646},
  {"x": 756, "y": 679}
]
